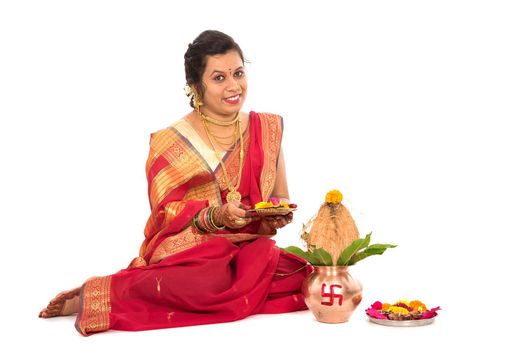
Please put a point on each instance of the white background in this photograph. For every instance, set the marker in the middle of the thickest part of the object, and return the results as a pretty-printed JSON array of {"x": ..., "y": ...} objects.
[{"x": 410, "y": 108}]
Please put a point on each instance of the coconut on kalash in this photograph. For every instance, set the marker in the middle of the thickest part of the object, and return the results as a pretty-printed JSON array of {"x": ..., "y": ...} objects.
[{"x": 333, "y": 228}]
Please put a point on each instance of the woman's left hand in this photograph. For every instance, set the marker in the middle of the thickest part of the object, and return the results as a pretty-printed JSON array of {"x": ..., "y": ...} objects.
[
  {"x": 233, "y": 215},
  {"x": 277, "y": 221}
]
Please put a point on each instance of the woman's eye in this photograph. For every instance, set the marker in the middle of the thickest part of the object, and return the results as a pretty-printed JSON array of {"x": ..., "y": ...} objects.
[
  {"x": 239, "y": 73},
  {"x": 219, "y": 78}
]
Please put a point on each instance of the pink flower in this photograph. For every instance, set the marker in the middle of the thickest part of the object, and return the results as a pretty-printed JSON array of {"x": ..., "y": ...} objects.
[
  {"x": 274, "y": 200},
  {"x": 375, "y": 314},
  {"x": 374, "y": 309},
  {"x": 377, "y": 305},
  {"x": 431, "y": 313}
]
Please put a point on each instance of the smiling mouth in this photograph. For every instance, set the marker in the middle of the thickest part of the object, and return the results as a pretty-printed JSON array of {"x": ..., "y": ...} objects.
[{"x": 233, "y": 98}]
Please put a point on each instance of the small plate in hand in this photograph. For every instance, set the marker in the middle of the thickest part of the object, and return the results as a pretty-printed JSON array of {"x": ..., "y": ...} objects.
[{"x": 271, "y": 211}]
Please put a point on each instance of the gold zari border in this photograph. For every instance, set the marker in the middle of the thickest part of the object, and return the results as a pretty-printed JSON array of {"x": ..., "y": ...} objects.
[
  {"x": 95, "y": 306},
  {"x": 271, "y": 138},
  {"x": 190, "y": 238}
]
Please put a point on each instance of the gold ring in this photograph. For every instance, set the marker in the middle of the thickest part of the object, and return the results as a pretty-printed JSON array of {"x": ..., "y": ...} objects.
[{"x": 240, "y": 221}]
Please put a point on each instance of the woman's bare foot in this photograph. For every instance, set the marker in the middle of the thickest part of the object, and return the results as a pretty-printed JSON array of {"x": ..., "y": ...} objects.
[{"x": 64, "y": 304}]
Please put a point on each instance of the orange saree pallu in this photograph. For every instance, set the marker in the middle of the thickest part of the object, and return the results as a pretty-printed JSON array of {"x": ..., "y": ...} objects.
[{"x": 183, "y": 277}]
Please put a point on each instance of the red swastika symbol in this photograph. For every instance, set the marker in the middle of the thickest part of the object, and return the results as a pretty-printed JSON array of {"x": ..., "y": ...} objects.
[{"x": 331, "y": 294}]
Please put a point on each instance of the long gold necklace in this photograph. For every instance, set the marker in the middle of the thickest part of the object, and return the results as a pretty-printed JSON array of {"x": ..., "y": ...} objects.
[
  {"x": 233, "y": 194},
  {"x": 226, "y": 141}
]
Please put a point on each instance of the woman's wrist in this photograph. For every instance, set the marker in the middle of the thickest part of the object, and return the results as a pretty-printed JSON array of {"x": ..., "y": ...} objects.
[
  {"x": 206, "y": 220},
  {"x": 211, "y": 216},
  {"x": 218, "y": 217},
  {"x": 196, "y": 224}
]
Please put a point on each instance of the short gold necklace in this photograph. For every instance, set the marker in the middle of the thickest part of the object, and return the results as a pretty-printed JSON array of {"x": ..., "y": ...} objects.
[
  {"x": 217, "y": 121},
  {"x": 233, "y": 194}
]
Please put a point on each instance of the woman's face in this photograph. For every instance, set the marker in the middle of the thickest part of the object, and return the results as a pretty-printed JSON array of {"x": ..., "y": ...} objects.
[{"x": 225, "y": 84}]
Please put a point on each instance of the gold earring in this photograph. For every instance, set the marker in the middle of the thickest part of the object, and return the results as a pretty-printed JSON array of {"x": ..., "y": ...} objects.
[
  {"x": 197, "y": 102},
  {"x": 194, "y": 97},
  {"x": 188, "y": 90}
]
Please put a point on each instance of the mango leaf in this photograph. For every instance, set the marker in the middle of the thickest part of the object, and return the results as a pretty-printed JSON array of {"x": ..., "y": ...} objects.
[
  {"x": 323, "y": 256},
  {"x": 310, "y": 257},
  {"x": 374, "y": 249},
  {"x": 296, "y": 251},
  {"x": 350, "y": 250}
]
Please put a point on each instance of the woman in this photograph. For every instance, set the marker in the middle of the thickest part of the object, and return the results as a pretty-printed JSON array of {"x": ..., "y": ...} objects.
[{"x": 204, "y": 259}]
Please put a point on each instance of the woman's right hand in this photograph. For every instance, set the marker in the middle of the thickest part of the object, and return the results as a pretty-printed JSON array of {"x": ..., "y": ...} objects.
[{"x": 232, "y": 215}]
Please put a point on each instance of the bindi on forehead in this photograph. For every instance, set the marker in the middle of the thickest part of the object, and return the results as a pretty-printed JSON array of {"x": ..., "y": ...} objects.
[
  {"x": 224, "y": 63},
  {"x": 223, "y": 70}
]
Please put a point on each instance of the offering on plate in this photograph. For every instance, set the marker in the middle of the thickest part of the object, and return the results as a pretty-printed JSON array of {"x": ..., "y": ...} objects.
[
  {"x": 402, "y": 310},
  {"x": 274, "y": 206}
]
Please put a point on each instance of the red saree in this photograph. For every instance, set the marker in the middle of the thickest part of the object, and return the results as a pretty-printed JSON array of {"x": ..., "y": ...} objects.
[{"x": 182, "y": 277}]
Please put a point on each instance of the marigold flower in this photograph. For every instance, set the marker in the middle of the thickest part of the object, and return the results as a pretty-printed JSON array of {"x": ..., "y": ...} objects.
[
  {"x": 272, "y": 203},
  {"x": 385, "y": 306},
  {"x": 334, "y": 197},
  {"x": 262, "y": 205},
  {"x": 418, "y": 306},
  {"x": 398, "y": 310},
  {"x": 402, "y": 301}
]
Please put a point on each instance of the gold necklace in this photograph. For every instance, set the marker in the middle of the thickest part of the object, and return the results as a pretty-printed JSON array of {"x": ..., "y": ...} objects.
[
  {"x": 233, "y": 194},
  {"x": 226, "y": 141},
  {"x": 218, "y": 122}
]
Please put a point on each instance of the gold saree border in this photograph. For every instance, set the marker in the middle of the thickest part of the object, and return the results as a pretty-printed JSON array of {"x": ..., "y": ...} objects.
[
  {"x": 197, "y": 141},
  {"x": 185, "y": 239},
  {"x": 190, "y": 237},
  {"x": 159, "y": 142},
  {"x": 184, "y": 165},
  {"x": 232, "y": 163},
  {"x": 271, "y": 125},
  {"x": 95, "y": 306}
]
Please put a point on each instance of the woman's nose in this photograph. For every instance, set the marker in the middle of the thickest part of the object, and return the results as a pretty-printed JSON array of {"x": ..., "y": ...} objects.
[{"x": 232, "y": 84}]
